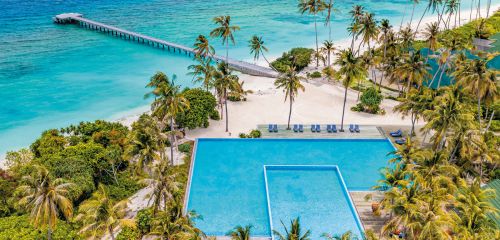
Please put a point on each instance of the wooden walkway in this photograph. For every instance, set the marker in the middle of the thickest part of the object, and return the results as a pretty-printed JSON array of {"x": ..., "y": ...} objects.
[
  {"x": 241, "y": 66},
  {"x": 364, "y": 209}
]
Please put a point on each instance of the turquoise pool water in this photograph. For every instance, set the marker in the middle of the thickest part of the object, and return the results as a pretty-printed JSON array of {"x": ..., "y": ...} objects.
[
  {"x": 52, "y": 76},
  {"x": 316, "y": 194},
  {"x": 227, "y": 185}
]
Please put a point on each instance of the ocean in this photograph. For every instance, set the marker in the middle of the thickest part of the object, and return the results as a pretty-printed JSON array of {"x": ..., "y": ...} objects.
[{"x": 55, "y": 75}]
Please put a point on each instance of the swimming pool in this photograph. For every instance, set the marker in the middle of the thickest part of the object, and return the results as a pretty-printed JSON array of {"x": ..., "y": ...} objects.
[
  {"x": 315, "y": 193},
  {"x": 227, "y": 186}
]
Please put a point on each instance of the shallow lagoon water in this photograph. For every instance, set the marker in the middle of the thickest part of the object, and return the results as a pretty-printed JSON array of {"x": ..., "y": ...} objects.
[{"x": 53, "y": 75}]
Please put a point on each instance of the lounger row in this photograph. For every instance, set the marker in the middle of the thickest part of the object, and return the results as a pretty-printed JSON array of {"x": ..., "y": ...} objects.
[
  {"x": 398, "y": 134},
  {"x": 331, "y": 128}
]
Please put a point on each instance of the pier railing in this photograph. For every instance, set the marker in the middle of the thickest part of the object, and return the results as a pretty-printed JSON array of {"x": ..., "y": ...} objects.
[{"x": 241, "y": 66}]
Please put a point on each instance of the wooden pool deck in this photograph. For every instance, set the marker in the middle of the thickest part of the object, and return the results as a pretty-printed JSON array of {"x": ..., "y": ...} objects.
[
  {"x": 367, "y": 132},
  {"x": 364, "y": 209}
]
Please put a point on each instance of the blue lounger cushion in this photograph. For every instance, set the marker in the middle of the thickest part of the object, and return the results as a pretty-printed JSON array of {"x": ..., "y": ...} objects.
[
  {"x": 301, "y": 128},
  {"x": 334, "y": 128},
  {"x": 351, "y": 128},
  {"x": 313, "y": 128},
  {"x": 329, "y": 128},
  {"x": 270, "y": 128},
  {"x": 318, "y": 128},
  {"x": 356, "y": 128}
]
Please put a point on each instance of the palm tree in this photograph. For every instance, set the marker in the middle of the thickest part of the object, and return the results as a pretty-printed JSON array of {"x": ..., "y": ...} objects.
[
  {"x": 414, "y": 105},
  {"x": 290, "y": 82},
  {"x": 356, "y": 13},
  {"x": 448, "y": 113},
  {"x": 345, "y": 236},
  {"x": 225, "y": 31},
  {"x": 145, "y": 142},
  {"x": 406, "y": 37},
  {"x": 203, "y": 72},
  {"x": 45, "y": 198},
  {"x": 240, "y": 233},
  {"x": 452, "y": 7},
  {"x": 328, "y": 19},
  {"x": 164, "y": 186},
  {"x": 430, "y": 35},
  {"x": 369, "y": 30},
  {"x": 434, "y": 5},
  {"x": 294, "y": 233},
  {"x": 413, "y": 70},
  {"x": 385, "y": 28},
  {"x": 101, "y": 215},
  {"x": 168, "y": 103},
  {"x": 313, "y": 7},
  {"x": 257, "y": 48},
  {"x": 202, "y": 47},
  {"x": 224, "y": 80},
  {"x": 473, "y": 206},
  {"x": 351, "y": 69},
  {"x": 328, "y": 48},
  {"x": 237, "y": 91},
  {"x": 473, "y": 76}
]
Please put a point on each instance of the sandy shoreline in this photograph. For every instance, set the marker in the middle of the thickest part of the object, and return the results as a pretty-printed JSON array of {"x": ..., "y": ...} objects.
[{"x": 320, "y": 103}]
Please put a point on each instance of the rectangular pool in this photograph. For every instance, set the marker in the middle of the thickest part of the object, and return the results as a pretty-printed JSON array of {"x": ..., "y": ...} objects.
[
  {"x": 227, "y": 186},
  {"x": 316, "y": 194}
]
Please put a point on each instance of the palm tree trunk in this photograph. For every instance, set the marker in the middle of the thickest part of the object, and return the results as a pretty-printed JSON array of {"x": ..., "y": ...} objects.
[
  {"x": 441, "y": 75},
  {"x": 225, "y": 104},
  {"x": 290, "y": 113},
  {"x": 352, "y": 43},
  {"x": 489, "y": 122},
  {"x": 317, "y": 49},
  {"x": 478, "y": 13},
  {"x": 49, "y": 233},
  {"x": 403, "y": 18},
  {"x": 343, "y": 110},
  {"x": 471, "y": 9},
  {"x": 420, "y": 21},
  {"x": 412, "y": 12},
  {"x": 479, "y": 109},
  {"x": 172, "y": 141},
  {"x": 488, "y": 5},
  {"x": 111, "y": 233}
]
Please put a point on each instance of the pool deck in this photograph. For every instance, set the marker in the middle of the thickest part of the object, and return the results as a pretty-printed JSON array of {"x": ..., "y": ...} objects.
[
  {"x": 367, "y": 132},
  {"x": 364, "y": 209}
]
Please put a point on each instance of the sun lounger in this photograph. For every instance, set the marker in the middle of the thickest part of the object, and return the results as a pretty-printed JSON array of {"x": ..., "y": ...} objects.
[
  {"x": 329, "y": 128},
  {"x": 356, "y": 128},
  {"x": 318, "y": 128},
  {"x": 400, "y": 141},
  {"x": 397, "y": 133},
  {"x": 275, "y": 128},
  {"x": 334, "y": 128},
  {"x": 295, "y": 128},
  {"x": 313, "y": 128},
  {"x": 351, "y": 128},
  {"x": 270, "y": 128},
  {"x": 301, "y": 128}
]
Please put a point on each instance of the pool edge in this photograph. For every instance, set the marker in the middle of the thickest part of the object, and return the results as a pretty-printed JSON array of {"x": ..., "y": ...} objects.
[{"x": 191, "y": 170}]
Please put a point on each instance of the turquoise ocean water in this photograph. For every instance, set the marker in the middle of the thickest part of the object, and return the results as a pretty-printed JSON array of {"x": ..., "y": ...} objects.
[{"x": 53, "y": 75}]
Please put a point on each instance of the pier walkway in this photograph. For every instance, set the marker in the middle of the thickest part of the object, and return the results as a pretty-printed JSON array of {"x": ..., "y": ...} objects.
[{"x": 241, "y": 66}]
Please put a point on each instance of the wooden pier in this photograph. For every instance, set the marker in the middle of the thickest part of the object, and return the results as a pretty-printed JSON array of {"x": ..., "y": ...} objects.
[{"x": 241, "y": 66}]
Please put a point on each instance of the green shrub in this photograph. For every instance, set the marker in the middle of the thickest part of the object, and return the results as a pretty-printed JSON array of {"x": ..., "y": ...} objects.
[
  {"x": 214, "y": 115},
  {"x": 253, "y": 134},
  {"x": 19, "y": 228},
  {"x": 126, "y": 186},
  {"x": 128, "y": 233},
  {"x": 201, "y": 108},
  {"x": 495, "y": 125},
  {"x": 143, "y": 220},
  {"x": 315, "y": 74},
  {"x": 370, "y": 101},
  {"x": 185, "y": 148},
  {"x": 302, "y": 57}
]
